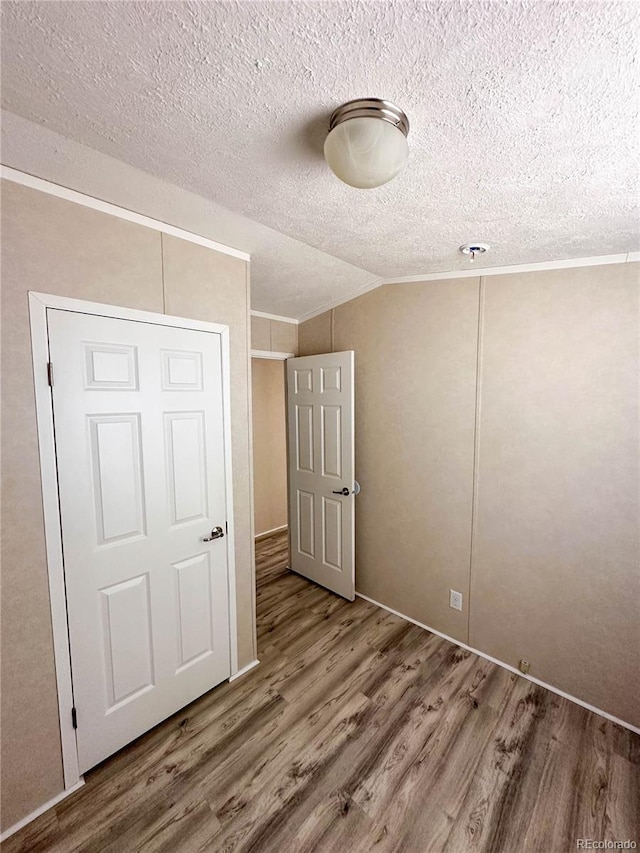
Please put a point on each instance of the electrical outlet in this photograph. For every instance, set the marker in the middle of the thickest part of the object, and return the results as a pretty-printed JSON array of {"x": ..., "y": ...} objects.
[
  {"x": 523, "y": 666},
  {"x": 455, "y": 599}
]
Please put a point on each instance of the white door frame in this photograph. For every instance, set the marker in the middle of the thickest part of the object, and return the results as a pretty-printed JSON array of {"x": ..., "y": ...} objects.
[{"x": 38, "y": 304}]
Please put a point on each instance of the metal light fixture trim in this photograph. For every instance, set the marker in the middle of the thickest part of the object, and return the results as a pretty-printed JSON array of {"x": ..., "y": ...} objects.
[{"x": 370, "y": 108}]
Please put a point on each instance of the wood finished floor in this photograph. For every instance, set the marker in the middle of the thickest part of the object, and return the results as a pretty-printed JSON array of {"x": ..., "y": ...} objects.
[{"x": 357, "y": 732}]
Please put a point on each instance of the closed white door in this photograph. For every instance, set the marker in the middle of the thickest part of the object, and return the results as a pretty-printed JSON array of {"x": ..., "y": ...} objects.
[
  {"x": 138, "y": 414},
  {"x": 320, "y": 414}
]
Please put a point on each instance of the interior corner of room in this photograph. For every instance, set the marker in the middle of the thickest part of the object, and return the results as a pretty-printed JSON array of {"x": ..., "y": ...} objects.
[{"x": 370, "y": 459}]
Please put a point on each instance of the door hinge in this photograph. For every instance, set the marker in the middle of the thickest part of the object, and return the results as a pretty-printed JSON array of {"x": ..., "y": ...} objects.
[
  {"x": 74, "y": 718},
  {"x": 50, "y": 373}
]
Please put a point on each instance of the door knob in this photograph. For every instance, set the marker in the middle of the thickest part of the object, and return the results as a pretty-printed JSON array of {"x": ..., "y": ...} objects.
[
  {"x": 344, "y": 492},
  {"x": 216, "y": 533}
]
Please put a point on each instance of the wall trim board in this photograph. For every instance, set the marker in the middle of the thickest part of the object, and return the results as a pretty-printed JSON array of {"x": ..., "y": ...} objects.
[
  {"x": 476, "y": 447},
  {"x": 279, "y": 318},
  {"x": 506, "y": 666},
  {"x": 38, "y": 305},
  {"x": 107, "y": 207},
  {"x": 41, "y": 810},
  {"x": 244, "y": 670},
  {"x": 266, "y": 353},
  {"x": 569, "y": 263},
  {"x": 265, "y": 534},
  {"x": 541, "y": 266},
  {"x": 378, "y": 282}
]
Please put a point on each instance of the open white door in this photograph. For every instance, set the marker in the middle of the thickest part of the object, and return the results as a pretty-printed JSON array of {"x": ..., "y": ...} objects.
[
  {"x": 138, "y": 412},
  {"x": 320, "y": 416}
]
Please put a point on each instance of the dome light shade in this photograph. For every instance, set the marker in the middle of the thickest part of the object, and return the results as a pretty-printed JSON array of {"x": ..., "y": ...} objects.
[{"x": 367, "y": 142}]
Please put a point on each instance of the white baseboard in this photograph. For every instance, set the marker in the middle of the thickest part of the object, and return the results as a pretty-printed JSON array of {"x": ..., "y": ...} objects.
[
  {"x": 265, "y": 534},
  {"x": 504, "y": 665},
  {"x": 244, "y": 670},
  {"x": 44, "y": 808}
]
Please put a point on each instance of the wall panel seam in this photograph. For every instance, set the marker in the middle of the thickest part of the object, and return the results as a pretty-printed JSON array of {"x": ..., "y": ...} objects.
[
  {"x": 252, "y": 530},
  {"x": 476, "y": 445}
]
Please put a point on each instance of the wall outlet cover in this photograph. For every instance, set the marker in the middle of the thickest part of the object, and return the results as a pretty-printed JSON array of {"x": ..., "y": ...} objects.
[{"x": 455, "y": 599}]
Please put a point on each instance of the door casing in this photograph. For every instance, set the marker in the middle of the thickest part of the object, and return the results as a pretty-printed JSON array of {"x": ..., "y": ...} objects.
[{"x": 38, "y": 305}]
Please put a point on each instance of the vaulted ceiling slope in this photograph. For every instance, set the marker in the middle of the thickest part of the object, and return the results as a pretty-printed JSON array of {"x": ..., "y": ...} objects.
[{"x": 523, "y": 118}]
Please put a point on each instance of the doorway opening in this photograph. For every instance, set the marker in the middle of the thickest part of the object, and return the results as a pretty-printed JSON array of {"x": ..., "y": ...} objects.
[
  {"x": 304, "y": 468},
  {"x": 268, "y": 379}
]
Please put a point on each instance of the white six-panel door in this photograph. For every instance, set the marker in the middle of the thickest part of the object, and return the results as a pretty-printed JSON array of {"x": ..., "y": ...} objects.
[
  {"x": 320, "y": 413},
  {"x": 138, "y": 413}
]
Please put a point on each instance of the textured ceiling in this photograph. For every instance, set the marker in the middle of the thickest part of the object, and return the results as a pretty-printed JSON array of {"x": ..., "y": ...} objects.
[{"x": 524, "y": 118}]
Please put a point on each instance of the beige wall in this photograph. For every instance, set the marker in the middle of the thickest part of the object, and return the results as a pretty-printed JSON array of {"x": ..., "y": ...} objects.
[
  {"x": 57, "y": 247},
  {"x": 555, "y": 568},
  {"x": 556, "y": 557},
  {"x": 273, "y": 335},
  {"x": 315, "y": 336},
  {"x": 415, "y": 355},
  {"x": 269, "y": 444}
]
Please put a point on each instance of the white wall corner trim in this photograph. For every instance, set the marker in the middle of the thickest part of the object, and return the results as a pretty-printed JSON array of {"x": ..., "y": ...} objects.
[
  {"x": 504, "y": 665},
  {"x": 244, "y": 670},
  {"x": 266, "y": 353},
  {"x": 41, "y": 810},
  {"x": 276, "y": 317},
  {"x": 40, "y": 184}
]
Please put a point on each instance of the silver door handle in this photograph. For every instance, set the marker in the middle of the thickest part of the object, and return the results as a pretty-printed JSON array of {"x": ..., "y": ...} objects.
[
  {"x": 344, "y": 492},
  {"x": 216, "y": 533}
]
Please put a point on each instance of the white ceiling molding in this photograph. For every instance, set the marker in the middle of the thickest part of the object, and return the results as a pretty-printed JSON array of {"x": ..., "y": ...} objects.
[
  {"x": 337, "y": 302},
  {"x": 9, "y": 174},
  {"x": 477, "y": 272},
  {"x": 565, "y": 263},
  {"x": 276, "y": 317},
  {"x": 267, "y": 353}
]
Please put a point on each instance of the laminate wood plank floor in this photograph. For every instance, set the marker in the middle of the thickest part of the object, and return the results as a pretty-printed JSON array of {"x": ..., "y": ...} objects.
[{"x": 358, "y": 732}]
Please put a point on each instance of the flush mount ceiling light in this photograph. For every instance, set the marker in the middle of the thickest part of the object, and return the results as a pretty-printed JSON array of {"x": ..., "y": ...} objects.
[
  {"x": 473, "y": 249},
  {"x": 367, "y": 142}
]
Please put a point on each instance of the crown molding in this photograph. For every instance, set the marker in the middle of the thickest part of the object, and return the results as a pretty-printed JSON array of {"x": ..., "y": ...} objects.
[
  {"x": 377, "y": 282},
  {"x": 276, "y": 317},
  {"x": 267, "y": 353},
  {"x": 477, "y": 272},
  {"x": 568, "y": 263},
  {"x": 9, "y": 174}
]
